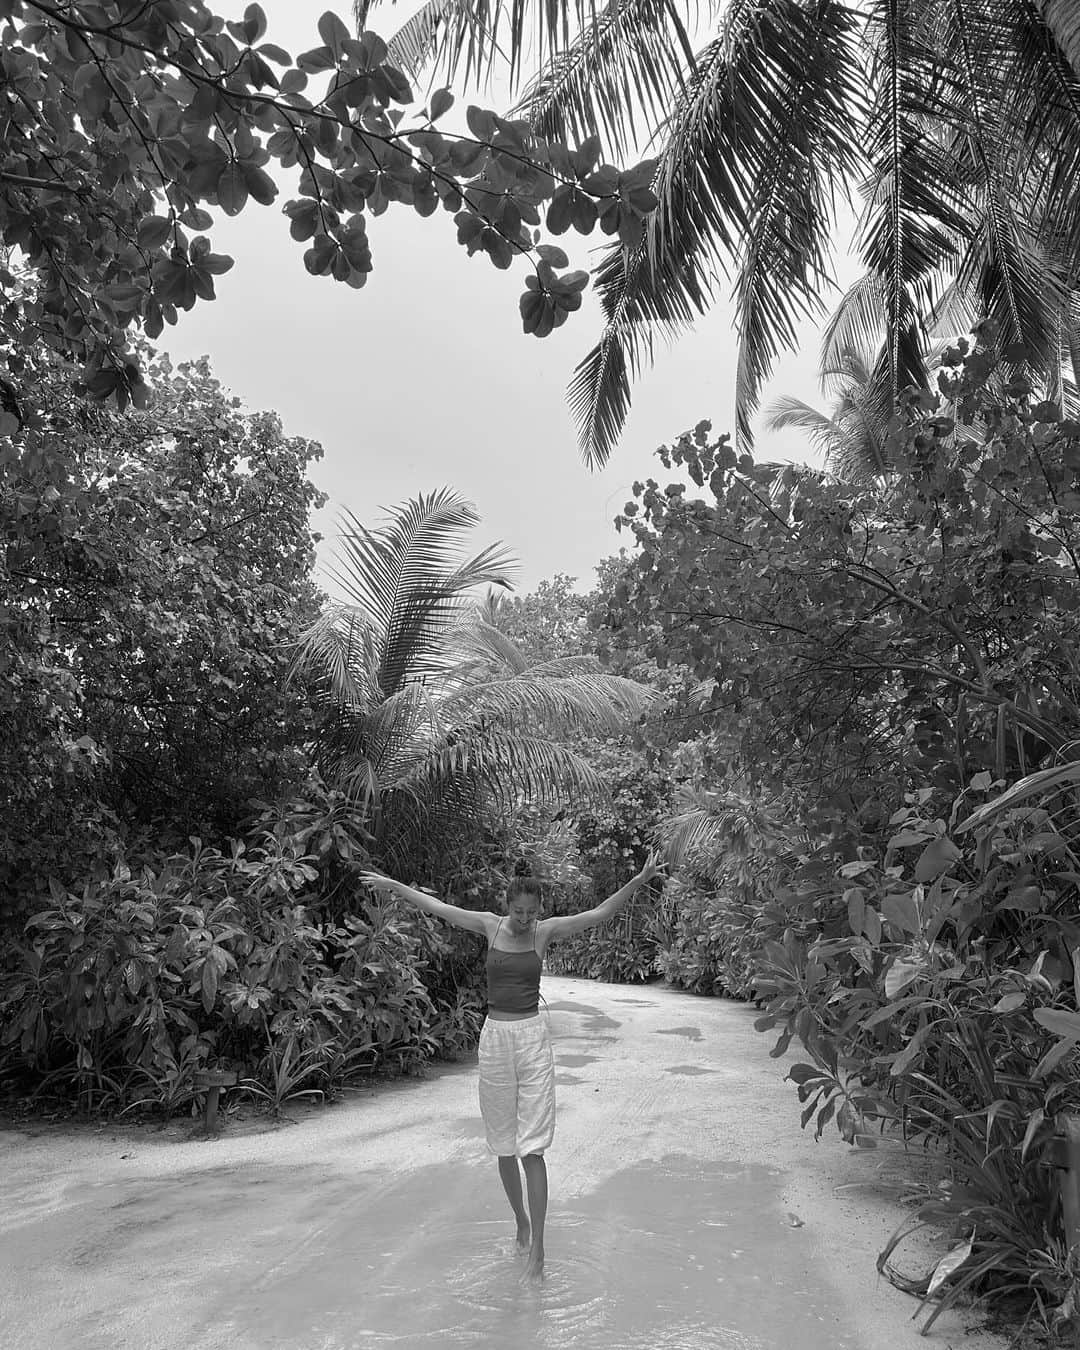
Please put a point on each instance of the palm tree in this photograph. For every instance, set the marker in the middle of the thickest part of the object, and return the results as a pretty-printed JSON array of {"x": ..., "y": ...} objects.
[
  {"x": 851, "y": 437},
  {"x": 957, "y": 122},
  {"x": 431, "y": 717}
]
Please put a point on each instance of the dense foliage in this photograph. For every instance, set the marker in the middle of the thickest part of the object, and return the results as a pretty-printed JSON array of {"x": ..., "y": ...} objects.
[
  {"x": 156, "y": 569},
  {"x": 877, "y": 662},
  {"x": 175, "y": 919},
  {"x": 123, "y": 121},
  {"x": 589, "y": 845},
  {"x": 954, "y": 124}
]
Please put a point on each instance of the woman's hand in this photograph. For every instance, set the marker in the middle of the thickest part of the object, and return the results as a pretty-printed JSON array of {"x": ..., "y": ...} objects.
[
  {"x": 654, "y": 866},
  {"x": 379, "y": 882}
]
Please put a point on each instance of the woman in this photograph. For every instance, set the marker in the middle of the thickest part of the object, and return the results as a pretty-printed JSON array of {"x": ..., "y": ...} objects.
[{"x": 517, "y": 1068}]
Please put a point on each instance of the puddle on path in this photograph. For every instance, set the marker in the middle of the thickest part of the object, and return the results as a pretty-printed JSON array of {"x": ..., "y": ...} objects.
[
  {"x": 688, "y": 1070},
  {"x": 670, "y": 1255},
  {"x": 691, "y": 1033},
  {"x": 667, "y": 1256}
]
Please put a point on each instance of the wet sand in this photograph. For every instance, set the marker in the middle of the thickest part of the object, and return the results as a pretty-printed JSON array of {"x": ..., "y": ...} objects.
[{"x": 688, "y": 1212}]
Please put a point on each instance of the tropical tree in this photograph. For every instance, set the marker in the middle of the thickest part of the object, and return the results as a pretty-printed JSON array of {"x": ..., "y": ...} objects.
[
  {"x": 851, "y": 437},
  {"x": 431, "y": 718},
  {"x": 851, "y": 633},
  {"x": 124, "y": 121},
  {"x": 155, "y": 572},
  {"x": 957, "y": 123}
]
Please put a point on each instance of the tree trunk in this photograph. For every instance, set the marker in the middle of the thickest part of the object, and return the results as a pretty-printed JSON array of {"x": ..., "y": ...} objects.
[{"x": 1062, "y": 17}]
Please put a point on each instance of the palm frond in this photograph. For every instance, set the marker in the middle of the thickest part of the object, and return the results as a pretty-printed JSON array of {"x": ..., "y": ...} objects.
[
  {"x": 339, "y": 651},
  {"x": 864, "y": 414},
  {"x": 383, "y": 742},
  {"x": 413, "y": 46},
  {"x": 1042, "y": 73},
  {"x": 1019, "y": 281},
  {"x": 405, "y": 576},
  {"x": 917, "y": 200},
  {"x": 849, "y": 367},
  {"x": 629, "y": 61},
  {"x": 511, "y": 769},
  {"x": 764, "y": 128},
  {"x": 788, "y": 411},
  {"x": 481, "y": 645},
  {"x": 715, "y": 827},
  {"x": 1072, "y": 337},
  {"x": 594, "y": 702},
  {"x": 1011, "y": 281},
  {"x": 1062, "y": 19},
  {"x": 857, "y": 324},
  {"x": 473, "y": 34}
]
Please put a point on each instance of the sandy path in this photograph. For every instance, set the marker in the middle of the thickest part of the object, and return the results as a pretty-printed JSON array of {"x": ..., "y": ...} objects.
[{"x": 688, "y": 1213}]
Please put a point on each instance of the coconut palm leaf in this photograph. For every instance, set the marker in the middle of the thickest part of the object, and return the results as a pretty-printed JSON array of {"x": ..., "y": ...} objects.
[
  {"x": 857, "y": 324},
  {"x": 400, "y": 577},
  {"x": 778, "y": 74},
  {"x": 630, "y": 61},
  {"x": 594, "y": 702},
  {"x": 481, "y": 646},
  {"x": 917, "y": 203},
  {"x": 714, "y": 828},
  {"x": 1052, "y": 792},
  {"x": 340, "y": 654},
  {"x": 413, "y": 46},
  {"x": 1005, "y": 255},
  {"x": 788, "y": 411},
  {"x": 1042, "y": 39},
  {"x": 468, "y": 726},
  {"x": 510, "y": 768},
  {"x": 475, "y": 33}
]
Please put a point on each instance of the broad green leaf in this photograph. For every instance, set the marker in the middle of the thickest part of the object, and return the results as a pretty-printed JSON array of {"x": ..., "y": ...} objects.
[
  {"x": 902, "y": 973},
  {"x": 937, "y": 857},
  {"x": 1060, "y": 1022},
  {"x": 232, "y": 189},
  {"x": 949, "y": 1264},
  {"x": 334, "y": 33}
]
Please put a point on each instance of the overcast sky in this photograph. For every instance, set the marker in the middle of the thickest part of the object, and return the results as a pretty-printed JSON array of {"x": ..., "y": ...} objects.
[{"x": 424, "y": 377}]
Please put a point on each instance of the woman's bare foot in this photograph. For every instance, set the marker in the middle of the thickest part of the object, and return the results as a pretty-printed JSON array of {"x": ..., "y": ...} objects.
[
  {"x": 534, "y": 1270},
  {"x": 524, "y": 1238}
]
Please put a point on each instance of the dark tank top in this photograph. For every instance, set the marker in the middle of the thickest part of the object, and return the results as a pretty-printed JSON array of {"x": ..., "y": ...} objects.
[{"x": 513, "y": 979}]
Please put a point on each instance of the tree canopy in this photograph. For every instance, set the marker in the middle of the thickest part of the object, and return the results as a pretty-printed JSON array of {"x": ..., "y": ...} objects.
[
  {"x": 156, "y": 569},
  {"x": 952, "y": 125},
  {"x": 841, "y": 627},
  {"x": 123, "y": 121}
]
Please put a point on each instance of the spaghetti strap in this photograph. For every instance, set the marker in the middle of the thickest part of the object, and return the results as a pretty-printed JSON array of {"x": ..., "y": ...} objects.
[{"x": 494, "y": 935}]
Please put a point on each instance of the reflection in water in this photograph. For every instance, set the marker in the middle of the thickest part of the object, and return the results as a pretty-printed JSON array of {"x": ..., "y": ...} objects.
[{"x": 676, "y": 1255}]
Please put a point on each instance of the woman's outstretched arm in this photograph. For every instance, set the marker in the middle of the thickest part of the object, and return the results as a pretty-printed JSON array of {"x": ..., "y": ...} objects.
[
  {"x": 569, "y": 924},
  {"x": 474, "y": 920}
]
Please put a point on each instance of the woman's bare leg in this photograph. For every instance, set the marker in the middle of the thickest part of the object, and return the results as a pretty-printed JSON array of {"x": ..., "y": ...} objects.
[
  {"x": 511, "y": 1180},
  {"x": 536, "y": 1184}
]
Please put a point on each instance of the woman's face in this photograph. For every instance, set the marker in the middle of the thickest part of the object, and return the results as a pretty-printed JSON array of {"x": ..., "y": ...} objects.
[{"x": 524, "y": 910}]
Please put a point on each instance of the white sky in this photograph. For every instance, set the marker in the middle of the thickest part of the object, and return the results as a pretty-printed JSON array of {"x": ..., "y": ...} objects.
[{"x": 424, "y": 377}]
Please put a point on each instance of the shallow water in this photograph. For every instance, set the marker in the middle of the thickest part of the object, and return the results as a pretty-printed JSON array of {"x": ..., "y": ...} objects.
[
  {"x": 398, "y": 1234},
  {"x": 658, "y": 1257}
]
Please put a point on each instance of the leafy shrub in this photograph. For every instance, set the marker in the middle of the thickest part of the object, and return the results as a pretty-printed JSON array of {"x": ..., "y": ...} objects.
[
  {"x": 623, "y": 951},
  {"x": 934, "y": 980},
  {"x": 120, "y": 993}
]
